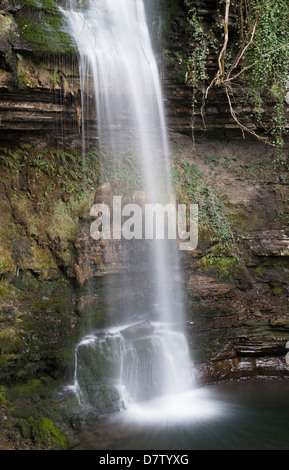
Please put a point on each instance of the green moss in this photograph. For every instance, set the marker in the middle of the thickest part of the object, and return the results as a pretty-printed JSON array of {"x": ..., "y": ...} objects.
[
  {"x": 28, "y": 388},
  {"x": 22, "y": 75},
  {"x": 46, "y": 309},
  {"x": 36, "y": 416},
  {"x": 25, "y": 428},
  {"x": 3, "y": 396},
  {"x": 223, "y": 267},
  {"x": 45, "y": 30},
  {"x": 45, "y": 36},
  {"x": 55, "y": 183},
  {"x": 20, "y": 410},
  {"x": 6, "y": 263},
  {"x": 173, "y": 20},
  {"x": 280, "y": 323},
  {"x": 48, "y": 435},
  {"x": 260, "y": 271},
  {"x": 37, "y": 234},
  {"x": 7, "y": 291},
  {"x": 32, "y": 73},
  {"x": 278, "y": 291},
  {"x": 7, "y": 361}
]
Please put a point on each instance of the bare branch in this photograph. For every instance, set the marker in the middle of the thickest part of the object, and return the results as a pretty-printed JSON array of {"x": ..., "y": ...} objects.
[
  {"x": 255, "y": 63},
  {"x": 223, "y": 79},
  {"x": 243, "y": 128},
  {"x": 221, "y": 59},
  {"x": 235, "y": 65}
]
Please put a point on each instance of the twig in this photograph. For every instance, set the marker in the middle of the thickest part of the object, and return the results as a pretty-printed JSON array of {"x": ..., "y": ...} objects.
[
  {"x": 243, "y": 128},
  {"x": 255, "y": 63},
  {"x": 225, "y": 80}
]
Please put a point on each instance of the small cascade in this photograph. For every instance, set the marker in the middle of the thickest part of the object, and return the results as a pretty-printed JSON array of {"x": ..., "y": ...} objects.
[{"x": 139, "y": 362}]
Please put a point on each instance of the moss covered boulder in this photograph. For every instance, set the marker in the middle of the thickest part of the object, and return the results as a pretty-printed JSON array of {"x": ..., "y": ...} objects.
[{"x": 47, "y": 434}]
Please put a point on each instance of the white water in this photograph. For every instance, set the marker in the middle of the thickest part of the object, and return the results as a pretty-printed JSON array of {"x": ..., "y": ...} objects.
[
  {"x": 116, "y": 57},
  {"x": 151, "y": 365}
]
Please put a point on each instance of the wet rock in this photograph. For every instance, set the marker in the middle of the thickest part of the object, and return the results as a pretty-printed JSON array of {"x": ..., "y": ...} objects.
[
  {"x": 240, "y": 368},
  {"x": 86, "y": 303},
  {"x": 254, "y": 347},
  {"x": 36, "y": 111},
  {"x": 75, "y": 423},
  {"x": 136, "y": 331}
]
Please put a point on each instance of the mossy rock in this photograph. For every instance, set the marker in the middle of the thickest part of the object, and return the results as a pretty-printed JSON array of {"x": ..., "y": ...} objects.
[
  {"x": 23, "y": 412},
  {"x": 280, "y": 323},
  {"x": 43, "y": 26},
  {"x": 46, "y": 434},
  {"x": 103, "y": 397},
  {"x": 25, "y": 428},
  {"x": 225, "y": 268},
  {"x": 45, "y": 308}
]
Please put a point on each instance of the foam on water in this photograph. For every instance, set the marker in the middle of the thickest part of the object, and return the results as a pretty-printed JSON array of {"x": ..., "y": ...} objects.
[{"x": 179, "y": 409}]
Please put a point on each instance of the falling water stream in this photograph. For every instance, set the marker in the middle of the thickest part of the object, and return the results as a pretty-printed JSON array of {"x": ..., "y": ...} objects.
[
  {"x": 139, "y": 370},
  {"x": 150, "y": 357}
]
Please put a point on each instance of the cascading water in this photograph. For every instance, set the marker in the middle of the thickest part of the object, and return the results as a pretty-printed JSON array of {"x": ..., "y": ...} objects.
[{"x": 148, "y": 358}]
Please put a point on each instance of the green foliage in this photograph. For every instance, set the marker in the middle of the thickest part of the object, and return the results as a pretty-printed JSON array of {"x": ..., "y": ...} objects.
[
  {"x": 173, "y": 14},
  {"x": 257, "y": 51},
  {"x": 270, "y": 37},
  {"x": 268, "y": 59},
  {"x": 192, "y": 188},
  {"x": 70, "y": 172},
  {"x": 197, "y": 60},
  {"x": 36, "y": 417},
  {"x": 254, "y": 169},
  {"x": 122, "y": 169}
]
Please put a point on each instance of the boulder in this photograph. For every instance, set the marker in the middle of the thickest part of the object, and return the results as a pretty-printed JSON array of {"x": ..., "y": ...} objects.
[{"x": 139, "y": 330}]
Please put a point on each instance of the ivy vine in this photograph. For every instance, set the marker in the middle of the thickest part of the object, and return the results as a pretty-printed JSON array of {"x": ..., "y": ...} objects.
[{"x": 250, "y": 41}]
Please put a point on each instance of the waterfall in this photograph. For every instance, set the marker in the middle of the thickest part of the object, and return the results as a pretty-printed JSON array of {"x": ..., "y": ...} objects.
[{"x": 149, "y": 357}]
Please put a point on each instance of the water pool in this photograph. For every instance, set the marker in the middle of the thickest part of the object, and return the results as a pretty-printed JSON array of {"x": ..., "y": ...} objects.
[{"x": 246, "y": 415}]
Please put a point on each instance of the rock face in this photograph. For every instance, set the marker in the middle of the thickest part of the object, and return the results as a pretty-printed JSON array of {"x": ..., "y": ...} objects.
[
  {"x": 269, "y": 243},
  {"x": 38, "y": 115},
  {"x": 237, "y": 298},
  {"x": 203, "y": 287},
  {"x": 238, "y": 317}
]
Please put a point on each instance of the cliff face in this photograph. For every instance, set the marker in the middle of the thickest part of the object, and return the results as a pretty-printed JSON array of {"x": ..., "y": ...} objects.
[
  {"x": 238, "y": 292},
  {"x": 236, "y": 282},
  {"x": 39, "y": 75}
]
